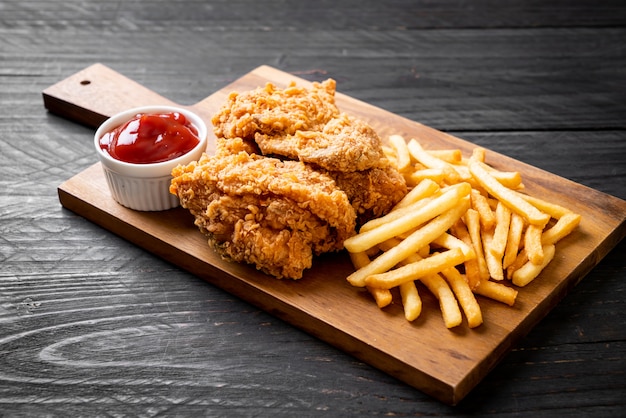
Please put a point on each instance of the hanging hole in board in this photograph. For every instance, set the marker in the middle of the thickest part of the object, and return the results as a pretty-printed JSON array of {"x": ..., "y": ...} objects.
[{"x": 85, "y": 82}]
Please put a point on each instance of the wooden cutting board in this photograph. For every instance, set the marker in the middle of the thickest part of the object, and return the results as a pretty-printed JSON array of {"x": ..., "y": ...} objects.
[{"x": 444, "y": 363}]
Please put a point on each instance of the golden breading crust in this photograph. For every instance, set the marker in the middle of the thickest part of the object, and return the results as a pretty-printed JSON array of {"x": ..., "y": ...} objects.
[
  {"x": 300, "y": 124},
  {"x": 371, "y": 192},
  {"x": 268, "y": 110},
  {"x": 271, "y": 213}
]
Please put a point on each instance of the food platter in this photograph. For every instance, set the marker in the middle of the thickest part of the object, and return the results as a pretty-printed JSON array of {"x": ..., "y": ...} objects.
[{"x": 445, "y": 364}]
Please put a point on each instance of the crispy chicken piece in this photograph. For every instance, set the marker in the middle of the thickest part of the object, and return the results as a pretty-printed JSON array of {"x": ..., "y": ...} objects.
[
  {"x": 372, "y": 192},
  {"x": 291, "y": 177},
  {"x": 300, "y": 124},
  {"x": 344, "y": 144},
  {"x": 263, "y": 211},
  {"x": 269, "y": 110}
]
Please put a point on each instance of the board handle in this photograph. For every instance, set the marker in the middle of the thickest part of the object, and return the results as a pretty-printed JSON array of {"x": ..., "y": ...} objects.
[{"x": 96, "y": 93}]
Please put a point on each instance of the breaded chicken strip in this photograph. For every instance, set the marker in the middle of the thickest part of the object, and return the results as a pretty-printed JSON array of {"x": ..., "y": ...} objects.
[
  {"x": 300, "y": 124},
  {"x": 263, "y": 211}
]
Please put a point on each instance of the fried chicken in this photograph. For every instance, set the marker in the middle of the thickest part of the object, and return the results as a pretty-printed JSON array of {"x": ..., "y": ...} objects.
[
  {"x": 270, "y": 110},
  {"x": 301, "y": 124},
  {"x": 292, "y": 177},
  {"x": 263, "y": 211},
  {"x": 372, "y": 192}
]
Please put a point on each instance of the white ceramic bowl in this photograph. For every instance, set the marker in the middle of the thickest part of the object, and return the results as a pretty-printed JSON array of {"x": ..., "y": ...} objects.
[{"x": 145, "y": 187}]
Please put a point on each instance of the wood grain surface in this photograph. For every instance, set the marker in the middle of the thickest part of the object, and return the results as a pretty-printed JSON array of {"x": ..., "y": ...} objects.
[
  {"x": 446, "y": 365},
  {"x": 93, "y": 325}
]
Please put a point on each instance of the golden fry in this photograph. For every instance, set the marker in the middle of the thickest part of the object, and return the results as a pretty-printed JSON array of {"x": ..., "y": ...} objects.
[
  {"x": 563, "y": 227},
  {"x": 481, "y": 205},
  {"x": 448, "y": 241},
  {"x": 416, "y": 270},
  {"x": 447, "y": 302},
  {"x": 452, "y": 156},
  {"x": 424, "y": 189},
  {"x": 501, "y": 232},
  {"x": 532, "y": 244},
  {"x": 494, "y": 265},
  {"x": 512, "y": 199},
  {"x": 360, "y": 259},
  {"x": 478, "y": 154},
  {"x": 436, "y": 175},
  {"x": 417, "y": 152},
  {"x": 520, "y": 260},
  {"x": 411, "y": 300},
  {"x": 382, "y": 297},
  {"x": 472, "y": 274},
  {"x": 529, "y": 271},
  {"x": 480, "y": 218},
  {"x": 509, "y": 179},
  {"x": 394, "y": 215},
  {"x": 472, "y": 220},
  {"x": 403, "y": 158},
  {"x": 551, "y": 209},
  {"x": 414, "y": 242},
  {"x": 497, "y": 291},
  {"x": 408, "y": 221},
  {"x": 516, "y": 229},
  {"x": 465, "y": 296}
]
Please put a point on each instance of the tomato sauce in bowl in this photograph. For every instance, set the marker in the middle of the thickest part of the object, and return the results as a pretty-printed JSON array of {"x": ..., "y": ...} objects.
[
  {"x": 151, "y": 138},
  {"x": 139, "y": 148}
]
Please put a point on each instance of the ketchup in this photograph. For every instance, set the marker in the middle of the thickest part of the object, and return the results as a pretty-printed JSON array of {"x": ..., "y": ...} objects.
[{"x": 151, "y": 138}]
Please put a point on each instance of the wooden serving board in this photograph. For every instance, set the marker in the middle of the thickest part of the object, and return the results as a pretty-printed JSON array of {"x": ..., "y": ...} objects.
[{"x": 444, "y": 363}]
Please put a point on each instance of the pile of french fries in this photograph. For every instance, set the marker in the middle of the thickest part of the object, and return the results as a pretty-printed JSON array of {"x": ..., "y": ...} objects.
[{"x": 463, "y": 229}]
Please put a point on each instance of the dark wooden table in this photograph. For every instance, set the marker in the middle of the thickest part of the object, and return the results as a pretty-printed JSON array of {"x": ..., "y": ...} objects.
[{"x": 93, "y": 325}]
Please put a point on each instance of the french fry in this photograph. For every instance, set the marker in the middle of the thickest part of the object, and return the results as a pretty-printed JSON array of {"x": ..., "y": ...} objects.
[
  {"x": 472, "y": 274},
  {"x": 520, "y": 260},
  {"x": 478, "y": 154},
  {"x": 472, "y": 220},
  {"x": 509, "y": 179},
  {"x": 415, "y": 241},
  {"x": 417, "y": 152},
  {"x": 403, "y": 158},
  {"x": 448, "y": 241},
  {"x": 532, "y": 244},
  {"x": 360, "y": 259},
  {"x": 551, "y": 209},
  {"x": 480, "y": 204},
  {"x": 501, "y": 232},
  {"x": 404, "y": 212},
  {"x": 529, "y": 271},
  {"x": 437, "y": 175},
  {"x": 411, "y": 300},
  {"x": 452, "y": 156},
  {"x": 447, "y": 303},
  {"x": 464, "y": 174},
  {"x": 408, "y": 221},
  {"x": 494, "y": 265},
  {"x": 416, "y": 270},
  {"x": 516, "y": 229},
  {"x": 459, "y": 211},
  {"x": 509, "y": 197},
  {"x": 382, "y": 297},
  {"x": 465, "y": 296},
  {"x": 424, "y": 189},
  {"x": 497, "y": 291},
  {"x": 563, "y": 227}
]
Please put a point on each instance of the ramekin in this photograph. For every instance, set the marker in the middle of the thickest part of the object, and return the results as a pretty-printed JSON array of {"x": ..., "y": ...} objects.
[{"x": 145, "y": 187}]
